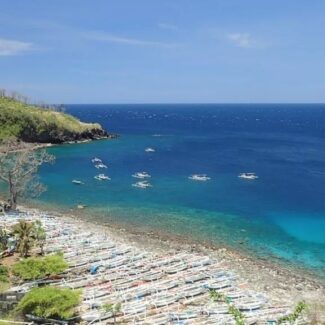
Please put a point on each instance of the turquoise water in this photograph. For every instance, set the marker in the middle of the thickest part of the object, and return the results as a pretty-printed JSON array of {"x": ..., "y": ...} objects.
[{"x": 281, "y": 214}]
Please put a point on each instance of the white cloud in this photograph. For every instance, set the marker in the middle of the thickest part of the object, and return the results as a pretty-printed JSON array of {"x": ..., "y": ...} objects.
[
  {"x": 11, "y": 47},
  {"x": 167, "y": 26},
  {"x": 105, "y": 37},
  {"x": 242, "y": 40}
]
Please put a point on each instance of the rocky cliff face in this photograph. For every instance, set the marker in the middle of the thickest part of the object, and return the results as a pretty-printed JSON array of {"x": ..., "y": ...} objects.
[
  {"x": 62, "y": 136},
  {"x": 31, "y": 123}
]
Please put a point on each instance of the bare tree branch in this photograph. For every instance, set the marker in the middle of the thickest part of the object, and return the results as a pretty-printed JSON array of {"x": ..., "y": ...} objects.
[{"x": 19, "y": 164}]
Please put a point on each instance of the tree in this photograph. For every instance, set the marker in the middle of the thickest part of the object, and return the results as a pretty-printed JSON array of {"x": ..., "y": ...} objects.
[
  {"x": 40, "y": 235},
  {"x": 50, "y": 302},
  {"x": 3, "y": 239},
  {"x": 113, "y": 308},
  {"x": 19, "y": 164},
  {"x": 25, "y": 234},
  {"x": 39, "y": 268}
]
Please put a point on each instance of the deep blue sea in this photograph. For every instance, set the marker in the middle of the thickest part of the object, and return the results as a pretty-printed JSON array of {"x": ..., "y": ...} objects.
[{"x": 281, "y": 214}]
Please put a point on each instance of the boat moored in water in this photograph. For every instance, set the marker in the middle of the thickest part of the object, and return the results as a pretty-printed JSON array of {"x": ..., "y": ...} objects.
[
  {"x": 102, "y": 177},
  {"x": 141, "y": 175},
  {"x": 142, "y": 184},
  {"x": 250, "y": 176},
  {"x": 96, "y": 160},
  {"x": 77, "y": 182},
  {"x": 149, "y": 150},
  {"x": 100, "y": 165},
  {"x": 199, "y": 177}
]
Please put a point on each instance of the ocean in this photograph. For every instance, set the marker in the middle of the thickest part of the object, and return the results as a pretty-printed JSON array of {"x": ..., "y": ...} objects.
[{"x": 280, "y": 215}]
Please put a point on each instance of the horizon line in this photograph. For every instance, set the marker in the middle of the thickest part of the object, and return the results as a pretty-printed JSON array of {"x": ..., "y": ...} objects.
[{"x": 202, "y": 103}]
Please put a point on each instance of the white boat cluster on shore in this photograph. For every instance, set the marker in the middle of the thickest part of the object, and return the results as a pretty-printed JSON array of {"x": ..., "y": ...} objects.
[{"x": 152, "y": 288}]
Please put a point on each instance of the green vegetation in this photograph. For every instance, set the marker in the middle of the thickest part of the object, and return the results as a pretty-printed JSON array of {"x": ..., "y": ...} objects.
[
  {"x": 4, "y": 274},
  {"x": 40, "y": 235},
  {"x": 4, "y": 278},
  {"x": 235, "y": 312},
  {"x": 3, "y": 239},
  {"x": 217, "y": 296},
  {"x": 38, "y": 268},
  {"x": 50, "y": 302},
  {"x": 28, "y": 234},
  {"x": 25, "y": 233},
  {"x": 112, "y": 308},
  {"x": 34, "y": 124},
  {"x": 291, "y": 318}
]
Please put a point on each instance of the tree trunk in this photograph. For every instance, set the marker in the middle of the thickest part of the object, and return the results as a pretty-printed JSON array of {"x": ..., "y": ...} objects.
[
  {"x": 13, "y": 200},
  {"x": 42, "y": 248},
  {"x": 13, "y": 194}
]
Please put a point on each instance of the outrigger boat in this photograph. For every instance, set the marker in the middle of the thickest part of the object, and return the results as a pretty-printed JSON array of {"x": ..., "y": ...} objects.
[
  {"x": 141, "y": 175},
  {"x": 199, "y": 177},
  {"x": 100, "y": 165},
  {"x": 250, "y": 176},
  {"x": 96, "y": 160},
  {"x": 143, "y": 184},
  {"x": 75, "y": 181},
  {"x": 102, "y": 177}
]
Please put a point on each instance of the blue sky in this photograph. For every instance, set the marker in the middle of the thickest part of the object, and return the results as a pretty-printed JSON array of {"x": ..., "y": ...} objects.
[{"x": 137, "y": 51}]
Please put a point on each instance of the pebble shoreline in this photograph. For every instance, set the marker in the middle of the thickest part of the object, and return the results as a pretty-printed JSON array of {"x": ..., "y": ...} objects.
[{"x": 281, "y": 285}]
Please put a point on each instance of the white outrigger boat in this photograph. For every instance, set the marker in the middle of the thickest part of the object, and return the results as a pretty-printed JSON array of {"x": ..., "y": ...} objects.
[
  {"x": 149, "y": 150},
  {"x": 102, "y": 177},
  {"x": 250, "y": 176},
  {"x": 96, "y": 160},
  {"x": 199, "y": 177},
  {"x": 141, "y": 175},
  {"x": 142, "y": 184},
  {"x": 77, "y": 182},
  {"x": 100, "y": 165}
]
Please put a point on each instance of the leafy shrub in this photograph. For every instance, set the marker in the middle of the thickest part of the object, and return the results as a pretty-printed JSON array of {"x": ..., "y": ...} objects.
[
  {"x": 235, "y": 312},
  {"x": 4, "y": 274},
  {"x": 38, "y": 268},
  {"x": 217, "y": 296},
  {"x": 50, "y": 302},
  {"x": 291, "y": 318},
  {"x": 237, "y": 315}
]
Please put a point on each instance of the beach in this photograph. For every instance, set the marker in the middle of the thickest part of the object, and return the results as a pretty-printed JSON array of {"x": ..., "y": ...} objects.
[{"x": 272, "y": 288}]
